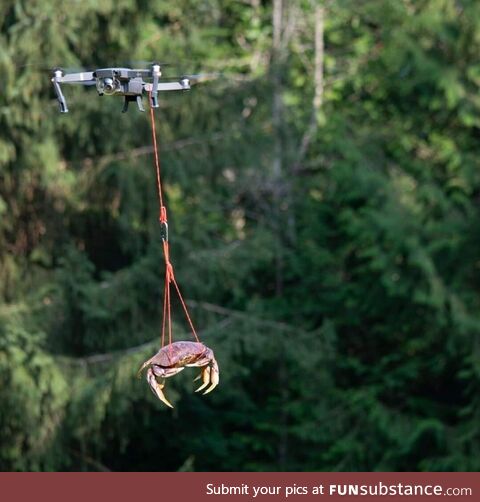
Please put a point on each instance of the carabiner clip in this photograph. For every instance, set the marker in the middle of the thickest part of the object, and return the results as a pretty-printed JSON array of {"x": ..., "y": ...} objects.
[{"x": 164, "y": 231}]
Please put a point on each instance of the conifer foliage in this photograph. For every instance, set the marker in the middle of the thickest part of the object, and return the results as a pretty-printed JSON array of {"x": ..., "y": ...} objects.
[{"x": 323, "y": 190}]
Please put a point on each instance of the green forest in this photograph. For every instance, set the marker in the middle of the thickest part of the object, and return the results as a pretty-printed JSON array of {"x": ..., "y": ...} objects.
[{"x": 323, "y": 186}]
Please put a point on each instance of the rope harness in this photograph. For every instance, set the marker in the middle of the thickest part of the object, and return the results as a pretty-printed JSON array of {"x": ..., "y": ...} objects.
[{"x": 169, "y": 274}]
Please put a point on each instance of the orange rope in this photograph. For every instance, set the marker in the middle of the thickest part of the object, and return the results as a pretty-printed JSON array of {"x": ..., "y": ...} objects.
[
  {"x": 169, "y": 317},
  {"x": 164, "y": 317},
  {"x": 157, "y": 160},
  {"x": 185, "y": 309},
  {"x": 169, "y": 275}
]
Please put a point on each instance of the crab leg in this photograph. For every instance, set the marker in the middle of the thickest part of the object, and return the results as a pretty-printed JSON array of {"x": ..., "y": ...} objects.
[
  {"x": 205, "y": 374},
  {"x": 157, "y": 388},
  {"x": 209, "y": 375},
  {"x": 144, "y": 365},
  {"x": 214, "y": 374}
]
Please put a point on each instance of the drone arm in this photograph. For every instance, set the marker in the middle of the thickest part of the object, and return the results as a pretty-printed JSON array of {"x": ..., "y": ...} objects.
[
  {"x": 77, "y": 78},
  {"x": 183, "y": 84}
]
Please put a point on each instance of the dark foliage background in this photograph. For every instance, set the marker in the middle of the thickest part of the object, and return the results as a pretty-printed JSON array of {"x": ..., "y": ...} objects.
[{"x": 324, "y": 207}]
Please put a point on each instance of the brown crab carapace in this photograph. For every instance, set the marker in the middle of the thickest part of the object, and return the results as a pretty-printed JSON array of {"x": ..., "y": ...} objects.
[{"x": 175, "y": 357}]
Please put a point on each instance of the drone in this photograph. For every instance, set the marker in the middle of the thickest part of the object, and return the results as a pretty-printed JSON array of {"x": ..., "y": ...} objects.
[{"x": 126, "y": 82}]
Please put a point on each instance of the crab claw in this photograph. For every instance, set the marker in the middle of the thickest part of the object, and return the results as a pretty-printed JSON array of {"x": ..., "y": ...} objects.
[
  {"x": 157, "y": 388},
  {"x": 209, "y": 375},
  {"x": 214, "y": 377},
  {"x": 205, "y": 375}
]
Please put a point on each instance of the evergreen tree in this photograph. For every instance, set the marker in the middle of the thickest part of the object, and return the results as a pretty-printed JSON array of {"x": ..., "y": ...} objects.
[{"x": 323, "y": 209}]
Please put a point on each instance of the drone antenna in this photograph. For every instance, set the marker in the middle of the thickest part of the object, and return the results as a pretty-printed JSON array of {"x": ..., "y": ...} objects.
[{"x": 57, "y": 75}]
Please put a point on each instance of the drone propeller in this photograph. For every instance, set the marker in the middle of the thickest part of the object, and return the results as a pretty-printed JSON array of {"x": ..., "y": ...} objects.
[
  {"x": 203, "y": 77},
  {"x": 49, "y": 68},
  {"x": 179, "y": 66},
  {"x": 140, "y": 64},
  {"x": 194, "y": 78}
]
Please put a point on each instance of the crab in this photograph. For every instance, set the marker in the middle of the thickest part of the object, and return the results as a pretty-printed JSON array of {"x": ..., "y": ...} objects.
[{"x": 175, "y": 357}]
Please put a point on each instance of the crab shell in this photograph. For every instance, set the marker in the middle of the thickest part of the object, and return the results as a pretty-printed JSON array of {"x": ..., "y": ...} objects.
[
  {"x": 173, "y": 358},
  {"x": 179, "y": 354}
]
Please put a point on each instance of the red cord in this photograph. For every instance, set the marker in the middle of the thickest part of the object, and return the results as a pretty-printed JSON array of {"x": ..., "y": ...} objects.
[
  {"x": 157, "y": 160},
  {"x": 187, "y": 315},
  {"x": 164, "y": 317},
  {"x": 169, "y": 275}
]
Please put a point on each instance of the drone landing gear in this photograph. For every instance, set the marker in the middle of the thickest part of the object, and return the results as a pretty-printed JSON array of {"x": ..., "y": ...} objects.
[
  {"x": 57, "y": 75},
  {"x": 129, "y": 99}
]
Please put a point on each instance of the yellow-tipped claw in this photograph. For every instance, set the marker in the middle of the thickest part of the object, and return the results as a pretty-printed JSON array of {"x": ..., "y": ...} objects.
[
  {"x": 214, "y": 379},
  {"x": 157, "y": 388},
  {"x": 161, "y": 396},
  {"x": 206, "y": 378}
]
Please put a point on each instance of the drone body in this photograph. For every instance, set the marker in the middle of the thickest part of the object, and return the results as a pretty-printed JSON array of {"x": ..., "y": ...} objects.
[{"x": 127, "y": 82}]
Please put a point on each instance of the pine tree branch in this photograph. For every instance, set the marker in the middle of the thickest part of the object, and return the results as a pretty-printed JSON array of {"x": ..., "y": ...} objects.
[
  {"x": 91, "y": 461},
  {"x": 147, "y": 150},
  {"x": 210, "y": 307}
]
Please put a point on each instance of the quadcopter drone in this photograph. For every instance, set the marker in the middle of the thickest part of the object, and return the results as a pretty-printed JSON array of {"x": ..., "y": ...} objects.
[{"x": 126, "y": 82}]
